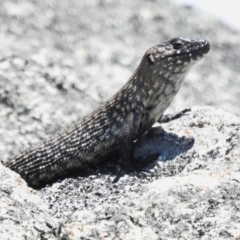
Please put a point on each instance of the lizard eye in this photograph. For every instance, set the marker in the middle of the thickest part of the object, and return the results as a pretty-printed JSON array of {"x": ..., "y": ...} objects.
[{"x": 177, "y": 45}]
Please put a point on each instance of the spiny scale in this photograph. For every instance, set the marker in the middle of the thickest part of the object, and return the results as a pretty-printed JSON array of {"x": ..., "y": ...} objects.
[{"x": 115, "y": 125}]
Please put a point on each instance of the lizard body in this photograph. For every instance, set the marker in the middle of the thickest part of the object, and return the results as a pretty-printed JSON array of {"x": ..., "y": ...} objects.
[{"x": 114, "y": 126}]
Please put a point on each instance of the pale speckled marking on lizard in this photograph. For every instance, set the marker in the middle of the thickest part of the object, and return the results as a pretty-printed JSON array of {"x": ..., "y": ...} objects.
[{"x": 115, "y": 125}]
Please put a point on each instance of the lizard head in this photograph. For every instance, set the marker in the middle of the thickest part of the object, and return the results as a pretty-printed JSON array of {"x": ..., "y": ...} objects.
[
  {"x": 178, "y": 54},
  {"x": 163, "y": 69}
]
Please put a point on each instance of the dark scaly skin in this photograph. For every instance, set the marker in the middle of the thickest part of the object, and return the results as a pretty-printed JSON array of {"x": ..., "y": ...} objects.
[{"x": 114, "y": 126}]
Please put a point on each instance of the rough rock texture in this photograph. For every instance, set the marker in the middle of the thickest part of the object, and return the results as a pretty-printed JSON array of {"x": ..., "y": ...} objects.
[
  {"x": 58, "y": 61},
  {"x": 191, "y": 192}
]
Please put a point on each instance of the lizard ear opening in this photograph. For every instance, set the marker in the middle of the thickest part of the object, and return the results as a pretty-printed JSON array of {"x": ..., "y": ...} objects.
[
  {"x": 151, "y": 58},
  {"x": 150, "y": 55}
]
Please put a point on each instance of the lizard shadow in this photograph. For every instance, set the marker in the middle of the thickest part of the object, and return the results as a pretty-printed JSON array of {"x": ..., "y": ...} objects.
[{"x": 158, "y": 142}]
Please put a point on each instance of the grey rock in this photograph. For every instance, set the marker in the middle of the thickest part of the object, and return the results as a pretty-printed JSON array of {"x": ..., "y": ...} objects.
[
  {"x": 192, "y": 191},
  {"x": 24, "y": 215},
  {"x": 58, "y": 61}
]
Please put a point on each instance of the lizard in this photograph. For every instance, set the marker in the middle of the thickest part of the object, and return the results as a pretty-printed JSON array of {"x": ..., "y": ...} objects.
[{"x": 114, "y": 126}]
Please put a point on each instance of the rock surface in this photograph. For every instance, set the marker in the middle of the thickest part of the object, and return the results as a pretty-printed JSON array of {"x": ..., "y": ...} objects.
[
  {"x": 58, "y": 61},
  {"x": 192, "y": 191}
]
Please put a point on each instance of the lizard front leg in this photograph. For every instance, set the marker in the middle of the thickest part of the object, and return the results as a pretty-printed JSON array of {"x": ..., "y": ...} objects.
[{"x": 125, "y": 142}]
